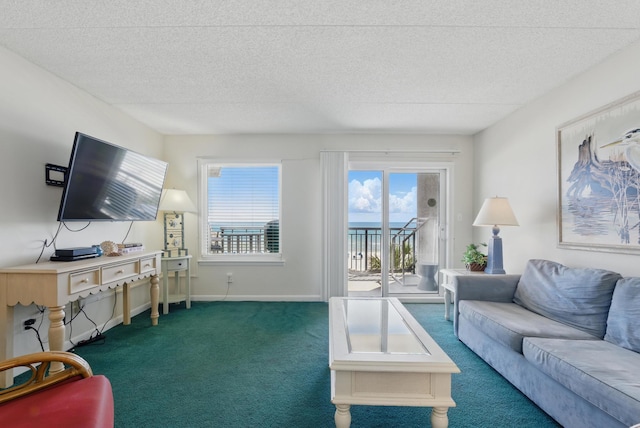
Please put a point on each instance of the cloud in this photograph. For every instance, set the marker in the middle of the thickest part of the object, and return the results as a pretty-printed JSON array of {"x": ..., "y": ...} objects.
[
  {"x": 404, "y": 203},
  {"x": 366, "y": 197}
]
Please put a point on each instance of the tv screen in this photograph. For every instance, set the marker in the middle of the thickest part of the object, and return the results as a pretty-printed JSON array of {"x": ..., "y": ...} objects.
[{"x": 105, "y": 182}]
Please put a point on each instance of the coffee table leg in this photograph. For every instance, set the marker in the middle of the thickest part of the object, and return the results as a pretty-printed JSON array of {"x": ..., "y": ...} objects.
[
  {"x": 343, "y": 416},
  {"x": 439, "y": 418}
]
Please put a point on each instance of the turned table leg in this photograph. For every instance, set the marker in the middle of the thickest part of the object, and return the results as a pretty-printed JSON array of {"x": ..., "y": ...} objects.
[
  {"x": 439, "y": 418},
  {"x": 155, "y": 294},
  {"x": 126, "y": 304},
  {"x": 343, "y": 416},
  {"x": 56, "y": 335},
  {"x": 6, "y": 339}
]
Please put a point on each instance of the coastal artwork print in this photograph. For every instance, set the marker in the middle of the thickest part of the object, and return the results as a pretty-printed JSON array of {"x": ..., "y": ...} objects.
[{"x": 599, "y": 179}]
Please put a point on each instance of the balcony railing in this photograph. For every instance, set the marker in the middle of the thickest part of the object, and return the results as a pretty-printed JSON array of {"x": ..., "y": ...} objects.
[
  {"x": 365, "y": 243},
  {"x": 245, "y": 239}
]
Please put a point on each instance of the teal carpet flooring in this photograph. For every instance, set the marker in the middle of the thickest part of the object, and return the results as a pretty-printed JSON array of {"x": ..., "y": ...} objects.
[{"x": 265, "y": 364}]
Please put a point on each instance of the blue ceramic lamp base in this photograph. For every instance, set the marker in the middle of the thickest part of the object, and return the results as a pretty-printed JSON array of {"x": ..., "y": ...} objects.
[{"x": 494, "y": 254}]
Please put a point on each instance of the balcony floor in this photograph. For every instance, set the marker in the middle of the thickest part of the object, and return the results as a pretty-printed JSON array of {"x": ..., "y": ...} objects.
[{"x": 369, "y": 285}]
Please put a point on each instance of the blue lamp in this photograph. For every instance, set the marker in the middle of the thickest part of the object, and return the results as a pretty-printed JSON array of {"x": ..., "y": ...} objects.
[{"x": 495, "y": 212}]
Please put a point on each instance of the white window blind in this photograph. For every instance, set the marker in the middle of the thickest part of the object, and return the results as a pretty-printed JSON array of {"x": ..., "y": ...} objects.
[{"x": 243, "y": 208}]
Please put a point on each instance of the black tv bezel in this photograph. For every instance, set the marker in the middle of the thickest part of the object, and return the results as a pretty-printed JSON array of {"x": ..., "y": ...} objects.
[{"x": 69, "y": 177}]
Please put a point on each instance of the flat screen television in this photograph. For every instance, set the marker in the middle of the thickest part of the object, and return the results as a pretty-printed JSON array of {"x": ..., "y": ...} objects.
[{"x": 105, "y": 182}]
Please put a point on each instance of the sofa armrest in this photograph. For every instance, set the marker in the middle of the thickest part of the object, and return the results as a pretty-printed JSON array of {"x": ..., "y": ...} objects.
[{"x": 495, "y": 288}]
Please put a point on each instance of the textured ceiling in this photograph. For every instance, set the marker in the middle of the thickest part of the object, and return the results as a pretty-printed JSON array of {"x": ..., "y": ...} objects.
[{"x": 312, "y": 66}]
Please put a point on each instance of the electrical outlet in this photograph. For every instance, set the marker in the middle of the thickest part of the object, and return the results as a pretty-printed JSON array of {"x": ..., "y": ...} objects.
[
  {"x": 29, "y": 320},
  {"x": 229, "y": 278},
  {"x": 28, "y": 323}
]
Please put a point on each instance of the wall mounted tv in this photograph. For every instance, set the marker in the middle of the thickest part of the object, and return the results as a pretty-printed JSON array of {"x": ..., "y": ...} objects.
[{"x": 105, "y": 182}]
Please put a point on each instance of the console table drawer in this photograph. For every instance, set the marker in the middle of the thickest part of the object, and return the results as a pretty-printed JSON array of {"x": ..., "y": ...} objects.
[
  {"x": 118, "y": 272},
  {"x": 81, "y": 281},
  {"x": 148, "y": 265}
]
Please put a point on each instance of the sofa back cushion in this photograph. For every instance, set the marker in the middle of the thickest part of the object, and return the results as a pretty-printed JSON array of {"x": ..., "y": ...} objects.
[
  {"x": 624, "y": 315},
  {"x": 579, "y": 297}
]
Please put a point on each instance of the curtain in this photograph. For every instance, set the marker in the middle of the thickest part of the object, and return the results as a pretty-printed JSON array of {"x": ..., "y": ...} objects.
[{"x": 334, "y": 194}]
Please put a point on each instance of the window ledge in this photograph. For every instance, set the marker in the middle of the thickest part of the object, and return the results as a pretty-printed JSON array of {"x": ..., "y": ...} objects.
[{"x": 244, "y": 260}]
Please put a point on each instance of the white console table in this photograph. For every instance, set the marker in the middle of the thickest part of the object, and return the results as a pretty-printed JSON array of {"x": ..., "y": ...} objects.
[{"x": 54, "y": 284}]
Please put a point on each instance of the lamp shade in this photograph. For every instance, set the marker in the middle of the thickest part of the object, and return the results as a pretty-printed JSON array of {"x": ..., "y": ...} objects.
[
  {"x": 496, "y": 212},
  {"x": 176, "y": 201}
]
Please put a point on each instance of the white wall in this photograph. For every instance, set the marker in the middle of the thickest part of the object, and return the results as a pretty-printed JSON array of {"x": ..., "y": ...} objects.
[
  {"x": 516, "y": 158},
  {"x": 301, "y": 276},
  {"x": 39, "y": 116}
]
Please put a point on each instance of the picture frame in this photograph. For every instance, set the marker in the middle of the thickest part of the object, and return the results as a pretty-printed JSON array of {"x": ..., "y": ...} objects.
[{"x": 598, "y": 158}]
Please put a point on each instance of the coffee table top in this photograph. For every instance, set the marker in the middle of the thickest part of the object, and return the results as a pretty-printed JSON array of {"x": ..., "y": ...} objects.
[
  {"x": 375, "y": 325},
  {"x": 379, "y": 333}
]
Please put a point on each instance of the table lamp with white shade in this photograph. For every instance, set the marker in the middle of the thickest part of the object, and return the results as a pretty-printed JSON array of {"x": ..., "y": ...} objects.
[
  {"x": 175, "y": 203},
  {"x": 495, "y": 212}
]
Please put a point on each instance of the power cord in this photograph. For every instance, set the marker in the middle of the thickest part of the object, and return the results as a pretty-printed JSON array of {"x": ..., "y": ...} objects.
[
  {"x": 28, "y": 325},
  {"x": 128, "y": 231},
  {"x": 113, "y": 309},
  {"x": 97, "y": 335},
  {"x": 47, "y": 244}
]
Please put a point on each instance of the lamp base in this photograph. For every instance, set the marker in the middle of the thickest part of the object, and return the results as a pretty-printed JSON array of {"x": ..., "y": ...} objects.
[{"x": 494, "y": 257}]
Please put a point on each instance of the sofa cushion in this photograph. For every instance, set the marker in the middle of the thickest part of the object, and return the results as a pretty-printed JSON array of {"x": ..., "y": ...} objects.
[
  {"x": 622, "y": 323},
  {"x": 508, "y": 323},
  {"x": 604, "y": 374},
  {"x": 579, "y": 297},
  {"x": 77, "y": 403}
]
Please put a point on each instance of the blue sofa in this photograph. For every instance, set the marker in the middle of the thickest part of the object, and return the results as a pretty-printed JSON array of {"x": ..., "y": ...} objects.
[{"x": 568, "y": 338}]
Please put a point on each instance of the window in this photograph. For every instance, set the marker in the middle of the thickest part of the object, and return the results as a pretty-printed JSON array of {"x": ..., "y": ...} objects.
[{"x": 242, "y": 209}]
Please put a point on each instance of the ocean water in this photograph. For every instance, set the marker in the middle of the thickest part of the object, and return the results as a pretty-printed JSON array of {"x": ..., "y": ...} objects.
[{"x": 393, "y": 225}]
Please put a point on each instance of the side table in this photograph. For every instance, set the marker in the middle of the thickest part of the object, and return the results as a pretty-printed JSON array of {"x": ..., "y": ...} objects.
[
  {"x": 175, "y": 264},
  {"x": 448, "y": 284}
]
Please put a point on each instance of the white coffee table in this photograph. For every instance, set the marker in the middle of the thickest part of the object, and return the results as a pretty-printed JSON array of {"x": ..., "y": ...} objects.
[{"x": 380, "y": 355}]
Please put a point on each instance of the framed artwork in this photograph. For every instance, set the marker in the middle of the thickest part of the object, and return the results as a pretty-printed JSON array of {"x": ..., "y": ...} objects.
[{"x": 599, "y": 179}]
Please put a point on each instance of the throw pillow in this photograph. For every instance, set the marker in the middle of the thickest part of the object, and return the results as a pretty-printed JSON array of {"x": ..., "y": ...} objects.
[
  {"x": 579, "y": 297},
  {"x": 622, "y": 324}
]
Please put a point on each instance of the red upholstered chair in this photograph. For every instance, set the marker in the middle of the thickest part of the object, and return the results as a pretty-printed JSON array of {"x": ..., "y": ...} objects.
[{"x": 73, "y": 397}]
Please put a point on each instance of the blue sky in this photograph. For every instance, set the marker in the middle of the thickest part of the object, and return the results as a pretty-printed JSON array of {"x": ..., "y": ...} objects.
[{"x": 365, "y": 196}]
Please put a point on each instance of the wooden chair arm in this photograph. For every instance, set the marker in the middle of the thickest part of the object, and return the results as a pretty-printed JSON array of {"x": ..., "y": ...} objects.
[{"x": 38, "y": 364}]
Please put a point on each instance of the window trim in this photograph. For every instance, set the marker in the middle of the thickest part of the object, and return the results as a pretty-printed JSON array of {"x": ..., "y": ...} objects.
[{"x": 274, "y": 259}]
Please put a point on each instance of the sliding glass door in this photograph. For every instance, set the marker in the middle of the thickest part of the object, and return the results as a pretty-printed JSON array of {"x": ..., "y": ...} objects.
[{"x": 395, "y": 230}]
